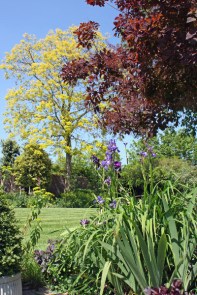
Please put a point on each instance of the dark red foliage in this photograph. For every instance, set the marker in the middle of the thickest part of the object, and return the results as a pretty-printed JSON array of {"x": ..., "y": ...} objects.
[
  {"x": 96, "y": 2},
  {"x": 86, "y": 33},
  {"x": 175, "y": 289},
  {"x": 152, "y": 75}
]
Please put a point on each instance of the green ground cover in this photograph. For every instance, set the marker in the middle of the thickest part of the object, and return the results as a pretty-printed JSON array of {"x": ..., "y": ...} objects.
[{"x": 54, "y": 221}]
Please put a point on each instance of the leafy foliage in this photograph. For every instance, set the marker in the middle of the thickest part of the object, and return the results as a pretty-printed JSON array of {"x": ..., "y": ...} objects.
[
  {"x": 84, "y": 176},
  {"x": 33, "y": 167},
  {"x": 42, "y": 108},
  {"x": 175, "y": 161},
  {"x": 179, "y": 172},
  {"x": 78, "y": 198},
  {"x": 147, "y": 80},
  {"x": 10, "y": 241},
  {"x": 179, "y": 144},
  {"x": 10, "y": 150}
]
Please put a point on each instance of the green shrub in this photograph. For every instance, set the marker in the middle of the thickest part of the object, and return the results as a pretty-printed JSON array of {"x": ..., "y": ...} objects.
[
  {"x": 180, "y": 172},
  {"x": 22, "y": 200},
  {"x": 10, "y": 242},
  {"x": 80, "y": 198},
  {"x": 16, "y": 200}
]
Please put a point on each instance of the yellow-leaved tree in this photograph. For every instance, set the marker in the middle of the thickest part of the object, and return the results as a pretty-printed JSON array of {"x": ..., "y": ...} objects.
[{"x": 41, "y": 108}]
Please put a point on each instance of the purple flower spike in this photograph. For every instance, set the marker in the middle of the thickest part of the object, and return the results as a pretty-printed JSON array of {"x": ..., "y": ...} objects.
[
  {"x": 100, "y": 200},
  {"x": 143, "y": 154},
  {"x": 113, "y": 204},
  {"x": 154, "y": 155},
  {"x": 108, "y": 181},
  {"x": 112, "y": 147},
  {"x": 117, "y": 166},
  {"x": 108, "y": 156},
  {"x": 84, "y": 222},
  {"x": 105, "y": 164}
]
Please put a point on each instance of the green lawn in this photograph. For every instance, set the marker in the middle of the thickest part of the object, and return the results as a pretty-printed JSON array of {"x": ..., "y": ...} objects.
[{"x": 54, "y": 221}]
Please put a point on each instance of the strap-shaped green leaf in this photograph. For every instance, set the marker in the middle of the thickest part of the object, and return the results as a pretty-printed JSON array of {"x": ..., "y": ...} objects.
[
  {"x": 104, "y": 275},
  {"x": 161, "y": 256}
]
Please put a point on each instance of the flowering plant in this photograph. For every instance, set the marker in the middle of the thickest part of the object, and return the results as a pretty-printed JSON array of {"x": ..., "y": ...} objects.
[
  {"x": 109, "y": 170},
  {"x": 133, "y": 245}
]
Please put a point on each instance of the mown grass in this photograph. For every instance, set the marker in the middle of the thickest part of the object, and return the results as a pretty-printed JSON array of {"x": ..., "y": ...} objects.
[{"x": 54, "y": 221}]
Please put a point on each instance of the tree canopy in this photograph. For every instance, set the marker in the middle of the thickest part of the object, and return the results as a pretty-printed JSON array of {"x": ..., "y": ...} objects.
[
  {"x": 147, "y": 80},
  {"x": 41, "y": 108}
]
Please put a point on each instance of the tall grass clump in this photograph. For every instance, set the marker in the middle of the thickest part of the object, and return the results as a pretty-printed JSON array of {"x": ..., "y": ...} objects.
[{"x": 135, "y": 245}]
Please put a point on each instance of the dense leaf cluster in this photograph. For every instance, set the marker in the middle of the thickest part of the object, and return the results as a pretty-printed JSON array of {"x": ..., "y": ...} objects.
[
  {"x": 10, "y": 150},
  {"x": 33, "y": 167},
  {"x": 10, "y": 242},
  {"x": 151, "y": 76}
]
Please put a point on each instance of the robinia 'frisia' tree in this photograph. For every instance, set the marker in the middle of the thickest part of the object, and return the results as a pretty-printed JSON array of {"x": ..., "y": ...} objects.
[{"x": 41, "y": 108}]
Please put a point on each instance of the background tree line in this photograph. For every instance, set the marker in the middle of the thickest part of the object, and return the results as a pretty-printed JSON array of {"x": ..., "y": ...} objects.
[{"x": 30, "y": 167}]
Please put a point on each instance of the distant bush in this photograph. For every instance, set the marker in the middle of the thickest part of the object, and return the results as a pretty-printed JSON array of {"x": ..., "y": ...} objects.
[
  {"x": 18, "y": 200},
  {"x": 179, "y": 172},
  {"x": 22, "y": 200},
  {"x": 84, "y": 176},
  {"x": 79, "y": 198}
]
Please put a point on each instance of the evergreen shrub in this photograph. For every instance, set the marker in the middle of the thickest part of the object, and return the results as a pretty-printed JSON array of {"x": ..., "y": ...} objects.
[{"x": 10, "y": 242}]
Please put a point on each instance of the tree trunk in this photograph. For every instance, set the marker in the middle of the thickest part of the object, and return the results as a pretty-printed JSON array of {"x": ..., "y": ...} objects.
[{"x": 68, "y": 167}]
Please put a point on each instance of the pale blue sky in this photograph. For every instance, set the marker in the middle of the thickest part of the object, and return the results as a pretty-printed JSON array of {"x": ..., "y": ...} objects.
[{"x": 38, "y": 17}]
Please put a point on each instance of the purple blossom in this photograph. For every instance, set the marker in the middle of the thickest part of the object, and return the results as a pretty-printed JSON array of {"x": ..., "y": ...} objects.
[
  {"x": 154, "y": 155},
  {"x": 108, "y": 155},
  {"x": 105, "y": 164},
  {"x": 117, "y": 166},
  {"x": 143, "y": 154},
  {"x": 100, "y": 200},
  {"x": 95, "y": 160},
  {"x": 84, "y": 222},
  {"x": 113, "y": 204},
  {"x": 108, "y": 181},
  {"x": 112, "y": 147}
]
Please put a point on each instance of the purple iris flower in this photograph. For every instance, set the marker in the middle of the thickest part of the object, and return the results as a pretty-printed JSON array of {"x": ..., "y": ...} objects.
[
  {"x": 143, "y": 154},
  {"x": 100, "y": 200},
  {"x": 108, "y": 181},
  {"x": 105, "y": 164},
  {"x": 113, "y": 204},
  {"x": 84, "y": 222},
  {"x": 112, "y": 147},
  {"x": 117, "y": 165},
  {"x": 95, "y": 160},
  {"x": 108, "y": 155}
]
